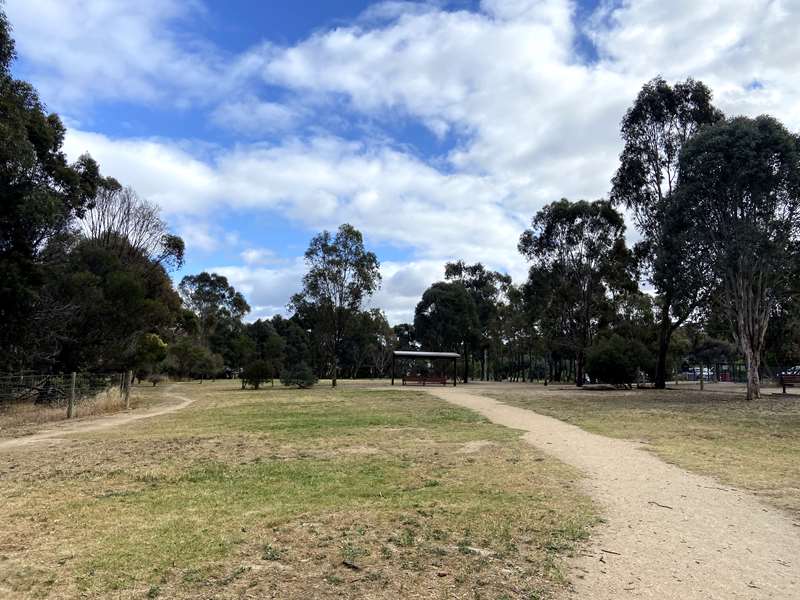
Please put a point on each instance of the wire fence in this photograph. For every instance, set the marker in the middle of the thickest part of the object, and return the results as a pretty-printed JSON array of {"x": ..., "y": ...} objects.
[{"x": 70, "y": 392}]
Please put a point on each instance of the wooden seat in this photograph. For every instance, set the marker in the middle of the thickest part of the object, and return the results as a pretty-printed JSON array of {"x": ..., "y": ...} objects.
[
  {"x": 789, "y": 380},
  {"x": 425, "y": 379}
]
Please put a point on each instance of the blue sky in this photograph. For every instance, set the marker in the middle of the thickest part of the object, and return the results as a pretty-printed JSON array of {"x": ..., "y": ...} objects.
[{"x": 437, "y": 128}]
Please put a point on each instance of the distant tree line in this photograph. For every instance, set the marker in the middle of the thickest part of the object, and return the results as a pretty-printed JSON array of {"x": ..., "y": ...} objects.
[{"x": 85, "y": 269}]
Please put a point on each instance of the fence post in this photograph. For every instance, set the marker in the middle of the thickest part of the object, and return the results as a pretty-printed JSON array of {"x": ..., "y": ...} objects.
[
  {"x": 71, "y": 403},
  {"x": 128, "y": 378}
]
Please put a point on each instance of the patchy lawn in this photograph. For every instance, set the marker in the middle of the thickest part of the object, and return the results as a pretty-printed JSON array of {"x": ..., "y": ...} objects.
[
  {"x": 751, "y": 445},
  {"x": 290, "y": 494}
]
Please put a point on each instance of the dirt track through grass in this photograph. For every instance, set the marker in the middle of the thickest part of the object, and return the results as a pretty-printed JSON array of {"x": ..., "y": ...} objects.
[
  {"x": 90, "y": 424},
  {"x": 670, "y": 534}
]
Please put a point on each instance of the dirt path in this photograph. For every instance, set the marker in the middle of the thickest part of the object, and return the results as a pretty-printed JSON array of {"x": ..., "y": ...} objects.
[
  {"x": 88, "y": 424},
  {"x": 669, "y": 534}
]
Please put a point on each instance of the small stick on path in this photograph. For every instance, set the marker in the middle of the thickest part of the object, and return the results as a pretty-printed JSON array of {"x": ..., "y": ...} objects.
[
  {"x": 610, "y": 552},
  {"x": 660, "y": 505}
]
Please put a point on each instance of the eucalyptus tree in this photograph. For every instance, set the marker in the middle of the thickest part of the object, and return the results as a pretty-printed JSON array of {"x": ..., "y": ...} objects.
[
  {"x": 40, "y": 194},
  {"x": 120, "y": 220},
  {"x": 342, "y": 273},
  {"x": 578, "y": 253},
  {"x": 213, "y": 300},
  {"x": 662, "y": 119},
  {"x": 446, "y": 319},
  {"x": 743, "y": 178},
  {"x": 487, "y": 289}
]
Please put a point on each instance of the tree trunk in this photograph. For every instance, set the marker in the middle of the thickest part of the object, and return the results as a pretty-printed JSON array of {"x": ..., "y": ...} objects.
[
  {"x": 466, "y": 362},
  {"x": 752, "y": 361},
  {"x": 664, "y": 335},
  {"x": 579, "y": 370},
  {"x": 335, "y": 366}
]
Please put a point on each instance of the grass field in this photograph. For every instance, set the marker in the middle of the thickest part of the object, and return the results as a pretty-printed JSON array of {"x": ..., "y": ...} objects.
[
  {"x": 751, "y": 445},
  {"x": 289, "y": 494}
]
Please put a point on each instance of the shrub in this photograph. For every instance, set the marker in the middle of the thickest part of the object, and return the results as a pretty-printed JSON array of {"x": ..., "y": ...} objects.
[
  {"x": 299, "y": 374},
  {"x": 616, "y": 360},
  {"x": 256, "y": 373},
  {"x": 156, "y": 378}
]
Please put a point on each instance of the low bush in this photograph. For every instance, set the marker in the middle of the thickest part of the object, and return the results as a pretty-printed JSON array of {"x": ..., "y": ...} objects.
[
  {"x": 299, "y": 374},
  {"x": 256, "y": 373},
  {"x": 616, "y": 360}
]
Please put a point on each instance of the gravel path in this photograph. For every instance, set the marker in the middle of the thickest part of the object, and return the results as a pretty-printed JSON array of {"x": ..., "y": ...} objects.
[
  {"x": 87, "y": 424},
  {"x": 669, "y": 534}
]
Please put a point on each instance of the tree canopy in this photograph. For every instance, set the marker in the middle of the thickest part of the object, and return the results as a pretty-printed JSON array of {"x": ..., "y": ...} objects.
[
  {"x": 579, "y": 254},
  {"x": 341, "y": 274},
  {"x": 654, "y": 130},
  {"x": 743, "y": 177}
]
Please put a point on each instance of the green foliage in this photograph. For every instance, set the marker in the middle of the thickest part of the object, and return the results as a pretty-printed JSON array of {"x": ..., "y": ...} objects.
[
  {"x": 296, "y": 340},
  {"x": 149, "y": 351},
  {"x": 41, "y": 193},
  {"x": 741, "y": 179},
  {"x": 579, "y": 260},
  {"x": 257, "y": 372},
  {"x": 112, "y": 300},
  {"x": 446, "y": 317},
  {"x": 617, "y": 360},
  {"x": 298, "y": 374},
  {"x": 213, "y": 300},
  {"x": 341, "y": 274},
  {"x": 187, "y": 357},
  {"x": 662, "y": 119}
]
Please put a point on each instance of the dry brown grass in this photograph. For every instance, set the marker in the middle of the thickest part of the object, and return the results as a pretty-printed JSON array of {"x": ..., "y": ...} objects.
[
  {"x": 290, "y": 494},
  {"x": 22, "y": 418}
]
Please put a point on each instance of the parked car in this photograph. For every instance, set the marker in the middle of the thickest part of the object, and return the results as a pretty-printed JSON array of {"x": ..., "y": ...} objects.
[{"x": 694, "y": 373}]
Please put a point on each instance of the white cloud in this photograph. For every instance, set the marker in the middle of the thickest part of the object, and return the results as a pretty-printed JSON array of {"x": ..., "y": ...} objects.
[
  {"x": 268, "y": 288},
  {"x": 260, "y": 256},
  {"x": 532, "y": 121},
  {"x": 161, "y": 170},
  {"x": 199, "y": 236},
  {"x": 322, "y": 182},
  {"x": 252, "y": 117},
  {"x": 86, "y": 50}
]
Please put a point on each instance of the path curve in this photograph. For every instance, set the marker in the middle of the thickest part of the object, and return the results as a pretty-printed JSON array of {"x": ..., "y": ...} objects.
[
  {"x": 87, "y": 424},
  {"x": 669, "y": 534}
]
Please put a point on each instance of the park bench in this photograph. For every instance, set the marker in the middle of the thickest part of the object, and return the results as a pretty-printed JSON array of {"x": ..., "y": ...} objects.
[
  {"x": 789, "y": 380},
  {"x": 425, "y": 379}
]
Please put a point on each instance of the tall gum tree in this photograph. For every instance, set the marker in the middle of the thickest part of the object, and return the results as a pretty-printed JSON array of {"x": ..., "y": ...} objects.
[
  {"x": 578, "y": 253},
  {"x": 341, "y": 275},
  {"x": 40, "y": 195},
  {"x": 743, "y": 178},
  {"x": 662, "y": 119}
]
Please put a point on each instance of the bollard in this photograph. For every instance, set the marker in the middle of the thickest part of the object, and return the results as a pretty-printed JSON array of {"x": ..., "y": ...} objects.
[
  {"x": 128, "y": 377},
  {"x": 71, "y": 403}
]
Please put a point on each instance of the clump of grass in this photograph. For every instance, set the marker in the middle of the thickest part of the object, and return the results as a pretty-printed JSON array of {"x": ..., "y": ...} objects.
[
  {"x": 352, "y": 553},
  {"x": 270, "y": 552}
]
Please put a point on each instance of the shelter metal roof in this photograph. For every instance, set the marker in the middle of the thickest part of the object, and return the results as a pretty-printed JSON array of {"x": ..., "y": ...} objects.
[{"x": 415, "y": 354}]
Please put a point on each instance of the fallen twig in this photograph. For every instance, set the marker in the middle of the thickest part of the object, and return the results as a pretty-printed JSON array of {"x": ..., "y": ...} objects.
[
  {"x": 660, "y": 505},
  {"x": 610, "y": 552}
]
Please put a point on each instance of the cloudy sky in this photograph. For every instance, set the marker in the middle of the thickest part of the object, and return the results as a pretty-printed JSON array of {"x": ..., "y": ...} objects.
[{"x": 437, "y": 128}]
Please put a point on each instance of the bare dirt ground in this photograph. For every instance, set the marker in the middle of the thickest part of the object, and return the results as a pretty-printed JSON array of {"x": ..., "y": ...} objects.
[
  {"x": 55, "y": 434},
  {"x": 669, "y": 534}
]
